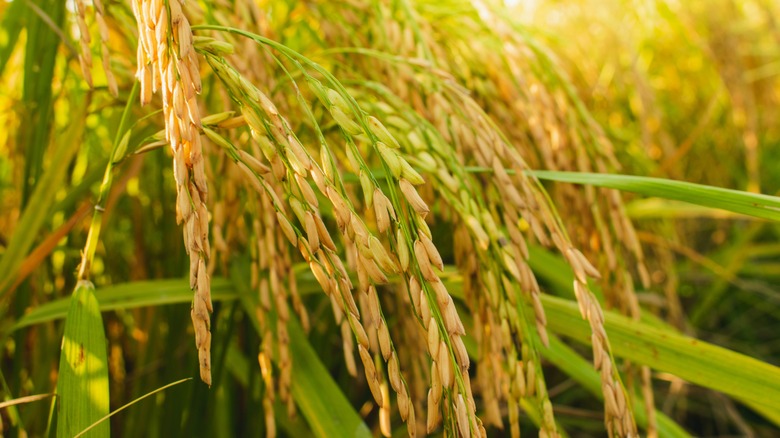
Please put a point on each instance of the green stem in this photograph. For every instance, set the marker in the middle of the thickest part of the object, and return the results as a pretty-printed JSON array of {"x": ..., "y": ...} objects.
[{"x": 97, "y": 218}]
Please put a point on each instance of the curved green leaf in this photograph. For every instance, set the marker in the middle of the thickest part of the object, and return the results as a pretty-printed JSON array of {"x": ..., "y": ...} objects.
[
  {"x": 751, "y": 204},
  {"x": 128, "y": 296},
  {"x": 568, "y": 361},
  {"x": 696, "y": 361}
]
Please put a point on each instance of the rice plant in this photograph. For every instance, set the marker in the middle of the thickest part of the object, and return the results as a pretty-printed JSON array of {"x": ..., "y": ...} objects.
[{"x": 459, "y": 218}]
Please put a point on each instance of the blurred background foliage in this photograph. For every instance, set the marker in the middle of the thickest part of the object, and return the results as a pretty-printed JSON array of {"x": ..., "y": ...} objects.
[{"x": 684, "y": 90}]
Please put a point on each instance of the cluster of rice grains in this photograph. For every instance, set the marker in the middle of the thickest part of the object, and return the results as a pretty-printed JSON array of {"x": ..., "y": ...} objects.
[
  {"x": 167, "y": 62},
  {"x": 543, "y": 124},
  {"x": 435, "y": 129},
  {"x": 85, "y": 57},
  {"x": 399, "y": 224}
]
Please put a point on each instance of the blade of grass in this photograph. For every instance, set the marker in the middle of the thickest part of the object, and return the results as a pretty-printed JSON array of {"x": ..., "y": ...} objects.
[
  {"x": 329, "y": 413},
  {"x": 22, "y": 400},
  {"x": 130, "y": 295},
  {"x": 116, "y": 411},
  {"x": 82, "y": 386},
  {"x": 751, "y": 204},
  {"x": 37, "y": 103}
]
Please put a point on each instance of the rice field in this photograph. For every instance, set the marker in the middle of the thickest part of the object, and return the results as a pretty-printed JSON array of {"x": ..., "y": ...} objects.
[{"x": 389, "y": 218}]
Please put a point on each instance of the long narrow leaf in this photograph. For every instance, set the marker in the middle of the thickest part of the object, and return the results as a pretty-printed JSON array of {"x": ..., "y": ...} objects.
[
  {"x": 696, "y": 361},
  {"x": 752, "y": 204},
  {"x": 82, "y": 387},
  {"x": 130, "y": 295},
  {"x": 567, "y": 360}
]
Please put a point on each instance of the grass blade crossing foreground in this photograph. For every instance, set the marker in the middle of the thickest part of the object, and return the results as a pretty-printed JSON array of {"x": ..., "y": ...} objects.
[
  {"x": 116, "y": 411},
  {"x": 23, "y": 400},
  {"x": 752, "y": 204},
  {"x": 82, "y": 387}
]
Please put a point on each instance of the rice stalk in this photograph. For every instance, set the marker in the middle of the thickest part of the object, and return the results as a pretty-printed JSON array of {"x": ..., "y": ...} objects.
[{"x": 167, "y": 62}]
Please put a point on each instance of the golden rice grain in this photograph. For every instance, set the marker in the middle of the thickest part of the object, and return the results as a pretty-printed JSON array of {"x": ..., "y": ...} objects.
[
  {"x": 383, "y": 336},
  {"x": 394, "y": 374},
  {"x": 424, "y": 262},
  {"x": 403, "y": 250},
  {"x": 384, "y": 412},
  {"x": 445, "y": 366},
  {"x": 413, "y": 198},
  {"x": 414, "y": 291},
  {"x": 433, "y": 253},
  {"x": 371, "y": 375},
  {"x": 462, "y": 417},
  {"x": 434, "y": 415},
  {"x": 433, "y": 338},
  {"x": 436, "y": 386}
]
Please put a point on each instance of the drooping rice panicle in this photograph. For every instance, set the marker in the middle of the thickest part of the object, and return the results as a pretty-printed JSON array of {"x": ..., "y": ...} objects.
[{"x": 167, "y": 62}]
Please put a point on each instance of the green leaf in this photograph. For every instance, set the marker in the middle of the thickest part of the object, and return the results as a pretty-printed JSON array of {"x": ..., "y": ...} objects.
[
  {"x": 322, "y": 402},
  {"x": 82, "y": 386},
  {"x": 754, "y": 382},
  {"x": 130, "y": 295},
  {"x": 751, "y": 204},
  {"x": 44, "y": 19},
  {"x": 568, "y": 361}
]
